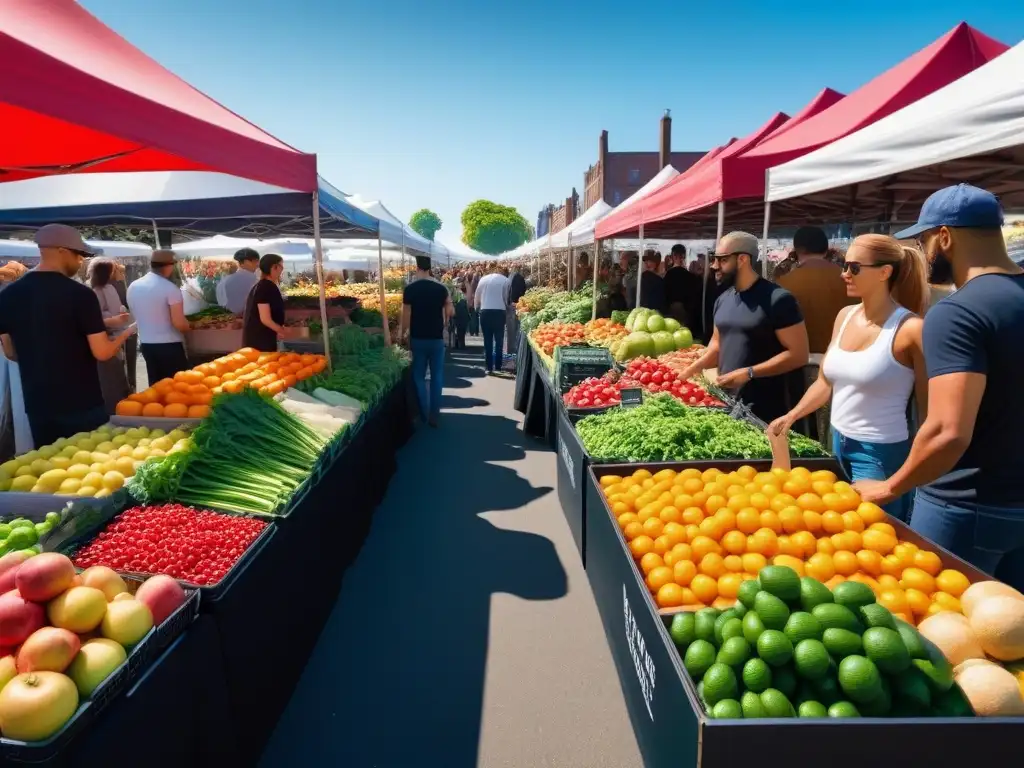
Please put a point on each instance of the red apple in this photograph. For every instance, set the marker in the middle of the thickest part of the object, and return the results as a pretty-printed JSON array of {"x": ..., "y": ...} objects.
[
  {"x": 163, "y": 595},
  {"x": 9, "y": 565},
  {"x": 19, "y": 618},
  {"x": 48, "y": 649},
  {"x": 44, "y": 576}
]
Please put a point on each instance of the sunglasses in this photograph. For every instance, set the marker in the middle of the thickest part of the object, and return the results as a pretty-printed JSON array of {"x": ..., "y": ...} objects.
[
  {"x": 724, "y": 256},
  {"x": 854, "y": 267}
]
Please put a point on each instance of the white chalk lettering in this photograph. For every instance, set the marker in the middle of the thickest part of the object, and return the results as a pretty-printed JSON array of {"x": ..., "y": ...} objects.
[{"x": 642, "y": 661}]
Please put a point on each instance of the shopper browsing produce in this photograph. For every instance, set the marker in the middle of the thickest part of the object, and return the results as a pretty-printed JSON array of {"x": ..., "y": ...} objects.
[
  {"x": 967, "y": 456},
  {"x": 263, "y": 322},
  {"x": 233, "y": 290},
  {"x": 158, "y": 308},
  {"x": 491, "y": 302},
  {"x": 52, "y": 327},
  {"x": 759, "y": 342},
  {"x": 113, "y": 376},
  {"x": 874, "y": 363},
  {"x": 426, "y": 307}
]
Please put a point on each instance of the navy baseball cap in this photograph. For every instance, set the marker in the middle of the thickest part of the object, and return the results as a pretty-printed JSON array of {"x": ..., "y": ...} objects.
[{"x": 959, "y": 206}]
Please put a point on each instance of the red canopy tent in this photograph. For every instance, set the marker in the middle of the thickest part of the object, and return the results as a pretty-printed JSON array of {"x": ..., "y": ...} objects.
[
  {"x": 705, "y": 181},
  {"x": 75, "y": 97},
  {"x": 691, "y": 208}
]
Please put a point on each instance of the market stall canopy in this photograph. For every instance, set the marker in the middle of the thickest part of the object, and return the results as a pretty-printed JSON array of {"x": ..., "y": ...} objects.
[
  {"x": 585, "y": 233},
  {"x": 110, "y": 249},
  {"x": 192, "y": 202},
  {"x": 392, "y": 229},
  {"x": 221, "y": 246},
  {"x": 76, "y": 97},
  {"x": 585, "y": 223},
  {"x": 721, "y": 177},
  {"x": 972, "y": 130}
]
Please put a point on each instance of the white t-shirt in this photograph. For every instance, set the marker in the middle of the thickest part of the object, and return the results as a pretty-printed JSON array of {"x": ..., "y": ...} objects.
[
  {"x": 150, "y": 299},
  {"x": 491, "y": 292}
]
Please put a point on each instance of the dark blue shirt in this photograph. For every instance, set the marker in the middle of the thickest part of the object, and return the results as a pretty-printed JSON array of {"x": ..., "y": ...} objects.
[{"x": 979, "y": 329}]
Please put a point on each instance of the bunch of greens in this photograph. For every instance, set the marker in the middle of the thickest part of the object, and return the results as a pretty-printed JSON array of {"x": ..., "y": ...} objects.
[
  {"x": 364, "y": 386},
  {"x": 212, "y": 311},
  {"x": 368, "y": 318},
  {"x": 348, "y": 340},
  {"x": 619, "y": 316},
  {"x": 663, "y": 429},
  {"x": 567, "y": 307},
  {"x": 248, "y": 455}
]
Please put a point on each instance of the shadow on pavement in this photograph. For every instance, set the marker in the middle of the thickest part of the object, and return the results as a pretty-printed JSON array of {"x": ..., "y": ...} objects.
[
  {"x": 397, "y": 678},
  {"x": 454, "y": 402}
]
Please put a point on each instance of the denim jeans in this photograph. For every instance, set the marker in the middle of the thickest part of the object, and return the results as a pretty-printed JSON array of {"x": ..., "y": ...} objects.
[
  {"x": 862, "y": 460},
  {"x": 989, "y": 538},
  {"x": 428, "y": 352},
  {"x": 492, "y": 323}
]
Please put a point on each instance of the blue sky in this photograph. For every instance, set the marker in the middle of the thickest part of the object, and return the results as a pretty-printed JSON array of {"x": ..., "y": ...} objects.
[{"x": 436, "y": 104}]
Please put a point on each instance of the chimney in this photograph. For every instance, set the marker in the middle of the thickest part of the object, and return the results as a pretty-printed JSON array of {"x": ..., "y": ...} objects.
[
  {"x": 569, "y": 217},
  {"x": 602, "y": 161},
  {"x": 665, "y": 146}
]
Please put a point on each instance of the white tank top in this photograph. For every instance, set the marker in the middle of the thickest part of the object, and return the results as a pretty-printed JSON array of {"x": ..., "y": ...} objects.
[{"x": 870, "y": 388}]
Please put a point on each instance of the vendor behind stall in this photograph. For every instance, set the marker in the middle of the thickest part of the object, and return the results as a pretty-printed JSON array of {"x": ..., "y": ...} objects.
[
  {"x": 263, "y": 322},
  {"x": 233, "y": 290},
  {"x": 52, "y": 326},
  {"x": 157, "y": 305}
]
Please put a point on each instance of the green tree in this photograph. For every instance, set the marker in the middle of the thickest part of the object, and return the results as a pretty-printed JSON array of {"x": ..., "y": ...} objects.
[
  {"x": 492, "y": 228},
  {"x": 425, "y": 222},
  {"x": 124, "y": 234}
]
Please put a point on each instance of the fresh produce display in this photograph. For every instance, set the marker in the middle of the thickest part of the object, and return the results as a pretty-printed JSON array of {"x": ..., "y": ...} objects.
[
  {"x": 664, "y": 429},
  {"x": 92, "y": 464},
  {"x": 249, "y": 455},
  {"x": 305, "y": 288},
  {"x": 214, "y": 318},
  {"x": 712, "y": 530},
  {"x": 620, "y": 316},
  {"x": 348, "y": 340},
  {"x": 551, "y": 335},
  {"x": 65, "y": 634},
  {"x": 189, "y": 393},
  {"x": 23, "y": 535},
  {"x": 534, "y": 300},
  {"x": 595, "y": 393},
  {"x": 563, "y": 307},
  {"x": 365, "y": 377},
  {"x": 682, "y": 359},
  {"x": 368, "y": 318},
  {"x": 655, "y": 376},
  {"x": 197, "y": 546},
  {"x": 651, "y": 335},
  {"x": 791, "y": 647},
  {"x": 603, "y": 332}
]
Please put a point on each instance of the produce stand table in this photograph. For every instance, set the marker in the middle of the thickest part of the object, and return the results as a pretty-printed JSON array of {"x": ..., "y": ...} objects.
[
  {"x": 670, "y": 724},
  {"x": 524, "y": 373},
  {"x": 215, "y": 695},
  {"x": 542, "y": 402}
]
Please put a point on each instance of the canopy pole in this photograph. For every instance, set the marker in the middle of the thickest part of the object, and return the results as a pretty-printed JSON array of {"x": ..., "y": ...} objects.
[
  {"x": 597, "y": 271},
  {"x": 707, "y": 269},
  {"x": 380, "y": 288},
  {"x": 318, "y": 255},
  {"x": 403, "y": 250},
  {"x": 640, "y": 263},
  {"x": 764, "y": 237}
]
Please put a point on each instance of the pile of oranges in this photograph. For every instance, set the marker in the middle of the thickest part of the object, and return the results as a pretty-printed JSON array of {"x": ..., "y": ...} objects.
[
  {"x": 697, "y": 536},
  {"x": 189, "y": 393}
]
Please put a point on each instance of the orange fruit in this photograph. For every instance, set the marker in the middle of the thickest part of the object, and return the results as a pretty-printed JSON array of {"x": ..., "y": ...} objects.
[
  {"x": 829, "y": 497},
  {"x": 683, "y": 572},
  {"x": 669, "y": 596},
  {"x": 947, "y": 601},
  {"x": 937, "y": 608},
  {"x": 659, "y": 477},
  {"x": 832, "y": 522},
  {"x": 806, "y": 542},
  {"x": 929, "y": 562},
  {"x": 863, "y": 578},
  {"x": 796, "y": 486},
  {"x": 683, "y": 551},
  {"x": 790, "y": 562},
  {"x": 676, "y": 533},
  {"x": 620, "y": 508},
  {"x": 175, "y": 411},
  {"x": 662, "y": 545},
  {"x": 760, "y": 502},
  {"x": 748, "y": 520},
  {"x": 733, "y": 563},
  {"x": 819, "y": 566},
  {"x": 887, "y": 582},
  {"x": 704, "y": 588},
  {"x": 702, "y": 545},
  {"x": 722, "y": 603},
  {"x": 640, "y": 474},
  {"x": 692, "y": 532},
  {"x": 753, "y": 562},
  {"x": 729, "y": 585},
  {"x": 739, "y": 501},
  {"x": 128, "y": 408},
  {"x": 633, "y": 530},
  {"x": 845, "y": 563},
  {"x": 786, "y": 547},
  {"x": 647, "y": 512},
  {"x": 152, "y": 410},
  {"x": 658, "y": 577},
  {"x": 641, "y": 545},
  {"x": 626, "y": 518},
  {"x": 871, "y": 513},
  {"x": 894, "y": 599},
  {"x": 870, "y": 562},
  {"x": 715, "y": 503},
  {"x": 853, "y": 522},
  {"x": 878, "y": 541},
  {"x": 779, "y": 500},
  {"x": 700, "y": 498},
  {"x": 713, "y": 565},
  {"x": 812, "y": 521},
  {"x": 952, "y": 582},
  {"x": 824, "y": 546},
  {"x": 177, "y": 397},
  {"x": 915, "y": 578},
  {"x": 727, "y": 518},
  {"x": 693, "y": 515},
  {"x": 837, "y": 579},
  {"x": 892, "y": 566},
  {"x": 734, "y": 542},
  {"x": 693, "y": 485},
  {"x": 771, "y": 521},
  {"x": 918, "y": 601},
  {"x": 682, "y": 501},
  {"x": 792, "y": 519},
  {"x": 883, "y": 528},
  {"x": 653, "y": 527},
  {"x": 712, "y": 528},
  {"x": 650, "y": 561},
  {"x": 670, "y": 515},
  {"x": 767, "y": 542}
]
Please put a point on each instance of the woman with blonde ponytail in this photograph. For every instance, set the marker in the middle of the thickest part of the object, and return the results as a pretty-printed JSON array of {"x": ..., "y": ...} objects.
[{"x": 874, "y": 363}]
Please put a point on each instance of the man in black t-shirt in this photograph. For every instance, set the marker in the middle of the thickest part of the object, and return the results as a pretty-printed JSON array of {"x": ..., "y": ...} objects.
[
  {"x": 263, "y": 320},
  {"x": 426, "y": 307},
  {"x": 683, "y": 291},
  {"x": 967, "y": 456},
  {"x": 652, "y": 285},
  {"x": 759, "y": 343},
  {"x": 52, "y": 326}
]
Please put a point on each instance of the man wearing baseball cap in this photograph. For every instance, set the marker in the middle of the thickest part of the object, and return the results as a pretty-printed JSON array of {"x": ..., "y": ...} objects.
[
  {"x": 967, "y": 460},
  {"x": 52, "y": 327},
  {"x": 158, "y": 308}
]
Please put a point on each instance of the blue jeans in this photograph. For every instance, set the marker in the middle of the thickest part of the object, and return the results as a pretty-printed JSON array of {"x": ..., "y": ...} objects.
[
  {"x": 989, "y": 538},
  {"x": 492, "y": 323},
  {"x": 428, "y": 352},
  {"x": 861, "y": 460}
]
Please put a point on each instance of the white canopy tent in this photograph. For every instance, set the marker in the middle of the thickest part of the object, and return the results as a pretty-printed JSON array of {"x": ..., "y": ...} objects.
[
  {"x": 970, "y": 131},
  {"x": 567, "y": 237},
  {"x": 111, "y": 249},
  {"x": 392, "y": 230}
]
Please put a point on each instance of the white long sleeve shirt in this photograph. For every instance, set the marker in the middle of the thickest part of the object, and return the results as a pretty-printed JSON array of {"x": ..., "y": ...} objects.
[{"x": 491, "y": 292}]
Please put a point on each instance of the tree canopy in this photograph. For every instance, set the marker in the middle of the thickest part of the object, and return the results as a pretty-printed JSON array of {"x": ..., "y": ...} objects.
[
  {"x": 425, "y": 222},
  {"x": 492, "y": 228}
]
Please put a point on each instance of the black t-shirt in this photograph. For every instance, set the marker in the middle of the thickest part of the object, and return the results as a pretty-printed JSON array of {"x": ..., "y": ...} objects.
[
  {"x": 516, "y": 288},
  {"x": 254, "y": 333},
  {"x": 746, "y": 322},
  {"x": 652, "y": 292},
  {"x": 49, "y": 317},
  {"x": 684, "y": 287},
  {"x": 427, "y": 298},
  {"x": 977, "y": 330}
]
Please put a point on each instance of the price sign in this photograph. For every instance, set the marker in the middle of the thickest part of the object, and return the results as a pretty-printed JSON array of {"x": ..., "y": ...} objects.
[
  {"x": 574, "y": 364},
  {"x": 632, "y": 397}
]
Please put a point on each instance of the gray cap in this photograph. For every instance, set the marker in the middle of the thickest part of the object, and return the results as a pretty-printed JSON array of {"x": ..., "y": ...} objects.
[
  {"x": 163, "y": 258},
  {"x": 63, "y": 236},
  {"x": 739, "y": 242}
]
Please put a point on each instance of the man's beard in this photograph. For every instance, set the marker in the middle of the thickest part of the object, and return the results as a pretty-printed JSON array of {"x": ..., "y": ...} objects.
[
  {"x": 940, "y": 271},
  {"x": 725, "y": 279},
  {"x": 69, "y": 271}
]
